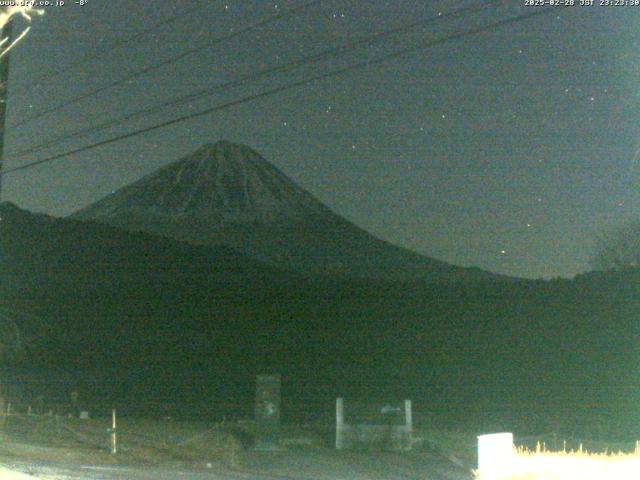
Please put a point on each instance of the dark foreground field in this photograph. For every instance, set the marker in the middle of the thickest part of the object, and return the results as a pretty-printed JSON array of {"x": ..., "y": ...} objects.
[
  {"x": 298, "y": 464},
  {"x": 56, "y": 447},
  {"x": 51, "y": 448}
]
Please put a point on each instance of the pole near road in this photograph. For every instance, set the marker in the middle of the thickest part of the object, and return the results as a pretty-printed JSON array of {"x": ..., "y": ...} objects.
[
  {"x": 4, "y": 83},
  {"x": 114, "y": 437}
]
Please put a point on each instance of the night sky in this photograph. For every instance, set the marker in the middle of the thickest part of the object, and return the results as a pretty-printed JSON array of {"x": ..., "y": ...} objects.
[{"x": 511, "y": 150}]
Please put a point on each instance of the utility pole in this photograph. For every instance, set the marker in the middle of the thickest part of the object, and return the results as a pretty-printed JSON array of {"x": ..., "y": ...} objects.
[{"x": 4, "y": 83}]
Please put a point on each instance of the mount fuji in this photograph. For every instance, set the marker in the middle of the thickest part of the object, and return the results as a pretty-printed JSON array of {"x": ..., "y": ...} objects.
[{"x": 228, "y": 194}]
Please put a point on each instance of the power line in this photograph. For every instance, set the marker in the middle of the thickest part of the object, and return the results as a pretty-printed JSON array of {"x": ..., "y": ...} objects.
[
  {"x": 107, "y": 49},
  {"x": 164, "y": 63},
  {"x": 250, "y": 78},
  {"x": 290, "y": 86}
]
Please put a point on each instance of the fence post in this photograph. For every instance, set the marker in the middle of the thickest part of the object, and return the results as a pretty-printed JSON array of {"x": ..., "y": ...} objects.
[
  {"x": 339, "y": 423},
  {"x": 496, "y": 455},
  {"x": 408, "y": 415},
  {"x": 114, "y": 439},
  {"x": 408, "y": 426}
]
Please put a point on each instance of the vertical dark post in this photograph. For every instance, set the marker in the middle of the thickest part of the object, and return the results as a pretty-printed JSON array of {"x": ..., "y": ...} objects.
[
  {"x": 75, "y": 410},
  {"x": 4, "y": 83},
  {"x": 3, "y": 412},
  {"x": 267, "y": 412}
]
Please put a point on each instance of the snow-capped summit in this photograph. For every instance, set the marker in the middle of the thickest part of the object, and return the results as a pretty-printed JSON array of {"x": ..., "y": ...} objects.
[{"x": 223, "y": 182}]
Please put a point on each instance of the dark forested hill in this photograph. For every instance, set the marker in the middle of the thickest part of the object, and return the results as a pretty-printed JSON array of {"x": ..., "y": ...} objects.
[{"x": 131, "y": 318}]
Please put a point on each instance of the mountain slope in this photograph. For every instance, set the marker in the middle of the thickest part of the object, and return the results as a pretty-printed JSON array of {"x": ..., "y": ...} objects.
[{"x": 228, "y": 194}]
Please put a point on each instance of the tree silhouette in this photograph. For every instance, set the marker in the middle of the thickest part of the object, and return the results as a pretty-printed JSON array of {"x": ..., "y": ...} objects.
[{"x": 619, "y": 249}]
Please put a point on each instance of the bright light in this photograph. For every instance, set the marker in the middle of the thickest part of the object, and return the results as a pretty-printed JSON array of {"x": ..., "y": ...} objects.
[
  {"x": 495, "y": 455},
  {"x": 505, "y": 463},
  {"x": 6, "y": 15}
]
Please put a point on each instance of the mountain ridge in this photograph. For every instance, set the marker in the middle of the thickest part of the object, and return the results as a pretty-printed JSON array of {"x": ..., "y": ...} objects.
[{"x": 226, "y": 193}]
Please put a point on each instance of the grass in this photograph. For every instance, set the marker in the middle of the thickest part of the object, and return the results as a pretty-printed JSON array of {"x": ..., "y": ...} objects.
[
  {"x": 226, "y": 445},
  {"x": 569, "y": 465},
  {"x": 139, "y": 441}
]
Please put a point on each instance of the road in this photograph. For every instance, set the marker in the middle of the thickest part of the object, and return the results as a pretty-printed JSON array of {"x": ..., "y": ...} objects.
[{"x": 296, "y": 465}]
